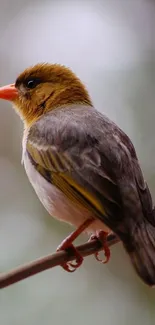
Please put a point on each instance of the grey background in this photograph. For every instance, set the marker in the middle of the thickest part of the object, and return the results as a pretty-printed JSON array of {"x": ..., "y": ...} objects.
[{"x": 110, "y": 44}]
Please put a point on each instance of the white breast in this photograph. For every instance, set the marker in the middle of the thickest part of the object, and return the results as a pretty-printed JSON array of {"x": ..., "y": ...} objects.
[{"x": 55, "y": 202}]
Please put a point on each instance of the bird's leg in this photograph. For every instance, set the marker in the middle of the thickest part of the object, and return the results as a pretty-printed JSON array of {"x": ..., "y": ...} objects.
[
  {"x": 102, "y": 237},
  {"x": 67, "y": 245}
]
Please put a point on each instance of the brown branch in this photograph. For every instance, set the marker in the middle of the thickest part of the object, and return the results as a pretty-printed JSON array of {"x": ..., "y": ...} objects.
[{"x": 47, "y": 262}]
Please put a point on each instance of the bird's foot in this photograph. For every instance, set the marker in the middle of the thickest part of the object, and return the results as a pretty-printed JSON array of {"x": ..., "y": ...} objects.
[
  {"x": 102, "y": 237},
  {"x": 71, "y": 250}
]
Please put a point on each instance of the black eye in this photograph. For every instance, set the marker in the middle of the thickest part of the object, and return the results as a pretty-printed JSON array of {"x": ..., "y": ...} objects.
[{"x": 32, "y": 83}]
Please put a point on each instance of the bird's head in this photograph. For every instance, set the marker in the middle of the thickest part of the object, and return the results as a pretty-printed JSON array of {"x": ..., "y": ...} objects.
[{"x": 42, "y": 88}]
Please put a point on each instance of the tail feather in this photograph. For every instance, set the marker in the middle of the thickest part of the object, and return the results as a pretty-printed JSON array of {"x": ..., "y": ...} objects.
[{"x": 141, "y": 250}]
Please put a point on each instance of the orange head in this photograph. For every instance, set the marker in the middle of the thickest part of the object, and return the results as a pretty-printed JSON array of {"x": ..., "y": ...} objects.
[{"x": 42, "y": 88}]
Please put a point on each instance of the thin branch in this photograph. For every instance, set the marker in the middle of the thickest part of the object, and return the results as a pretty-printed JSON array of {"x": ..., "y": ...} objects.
[{"x": 47, "y": 262}]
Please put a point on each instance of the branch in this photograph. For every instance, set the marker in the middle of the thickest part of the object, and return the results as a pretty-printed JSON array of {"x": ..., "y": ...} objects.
[{"x": 52, "y": 260}]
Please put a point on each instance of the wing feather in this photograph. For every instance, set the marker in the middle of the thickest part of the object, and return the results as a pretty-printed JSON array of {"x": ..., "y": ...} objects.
[
  {"x": 90, "y": 160},
  {"x": 80, "y": 177}
]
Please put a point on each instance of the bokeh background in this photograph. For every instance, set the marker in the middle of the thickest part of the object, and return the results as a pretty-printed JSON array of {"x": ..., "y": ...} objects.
[{"x": 110, "y": 44}]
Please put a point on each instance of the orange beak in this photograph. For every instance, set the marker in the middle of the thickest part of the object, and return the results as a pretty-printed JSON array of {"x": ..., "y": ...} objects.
[{"x": 9, "y": 92}]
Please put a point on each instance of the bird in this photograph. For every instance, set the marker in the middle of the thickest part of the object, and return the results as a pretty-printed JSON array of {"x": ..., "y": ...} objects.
[{"x": 82, "y": 166}]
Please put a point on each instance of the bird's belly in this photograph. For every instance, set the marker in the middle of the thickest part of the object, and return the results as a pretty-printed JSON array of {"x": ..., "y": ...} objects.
[{"x": 56, "y": 203}]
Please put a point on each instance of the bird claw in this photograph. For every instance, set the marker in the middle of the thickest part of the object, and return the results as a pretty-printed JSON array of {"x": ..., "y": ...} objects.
[
  {"x": 71, "y": 266},
  {"x": 69, "y": 247},
  {"x": 102, "y": 237}
]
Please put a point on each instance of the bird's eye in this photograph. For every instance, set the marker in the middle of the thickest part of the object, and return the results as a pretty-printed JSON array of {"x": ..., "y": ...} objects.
[{"x": 32, "y": 83}]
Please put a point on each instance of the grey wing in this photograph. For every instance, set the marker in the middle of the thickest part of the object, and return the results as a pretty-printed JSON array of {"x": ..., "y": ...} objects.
[
  {"x": 88, "y": 157},
  {"x": 71, "y": 158},
  {"x": 143, "y": 191}
]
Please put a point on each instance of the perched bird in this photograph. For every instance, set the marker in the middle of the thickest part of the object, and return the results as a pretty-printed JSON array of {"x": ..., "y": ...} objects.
[{"x": 82, "y": 166}]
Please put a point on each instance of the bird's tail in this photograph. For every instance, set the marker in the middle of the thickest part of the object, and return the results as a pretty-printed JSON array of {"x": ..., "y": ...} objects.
[{"x": 141, "y": 249}]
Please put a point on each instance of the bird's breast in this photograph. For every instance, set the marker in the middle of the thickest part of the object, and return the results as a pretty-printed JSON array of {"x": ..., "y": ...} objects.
[{"x": 55, "y": 202}]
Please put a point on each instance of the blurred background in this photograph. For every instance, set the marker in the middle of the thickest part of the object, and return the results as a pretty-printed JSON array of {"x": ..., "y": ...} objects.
[{"x": 110, "y": 44}]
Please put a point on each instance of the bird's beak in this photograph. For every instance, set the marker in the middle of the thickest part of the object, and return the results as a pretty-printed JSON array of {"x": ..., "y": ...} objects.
[{"x": 9, "y": 92}]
